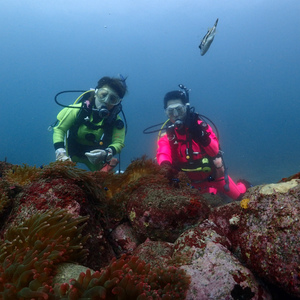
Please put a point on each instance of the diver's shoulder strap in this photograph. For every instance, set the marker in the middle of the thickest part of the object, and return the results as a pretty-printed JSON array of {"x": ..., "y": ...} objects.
[
  {"x": 82, "y": 117},
  {"x": 84, "y": 112}
]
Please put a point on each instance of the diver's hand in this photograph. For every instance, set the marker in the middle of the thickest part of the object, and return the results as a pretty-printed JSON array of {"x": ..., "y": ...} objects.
[
  {"x": 61, "y": 155},
  {"x": 168, "y": 170},
  {"x": 109, "y": 155},
  {"x": 203, "y": 135},
  {"x": 96, "y": 156}
]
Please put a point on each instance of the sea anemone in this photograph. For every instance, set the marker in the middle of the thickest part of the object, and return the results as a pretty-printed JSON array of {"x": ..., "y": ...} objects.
[
  {"x": 21, "y": 175},
  {"x": 68, "y": 170},
  {"x": 127, "y": 278},
  {"x": 4, "y": 201},
  {"x": 117, "y": 183},
  {"x": 30, "y": 252}
]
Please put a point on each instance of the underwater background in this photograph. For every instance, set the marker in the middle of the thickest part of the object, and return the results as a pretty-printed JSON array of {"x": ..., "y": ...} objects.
[{"x": 248, "y": 82}]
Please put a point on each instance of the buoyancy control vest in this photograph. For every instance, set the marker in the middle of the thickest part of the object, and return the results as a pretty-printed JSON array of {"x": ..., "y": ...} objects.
[
  {"x": 88, "y": 117},
  {"x": 195, "y": 161}
]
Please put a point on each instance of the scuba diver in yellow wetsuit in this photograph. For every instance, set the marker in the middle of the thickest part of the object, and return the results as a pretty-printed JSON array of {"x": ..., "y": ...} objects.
[{"x": 92, "y": 129}]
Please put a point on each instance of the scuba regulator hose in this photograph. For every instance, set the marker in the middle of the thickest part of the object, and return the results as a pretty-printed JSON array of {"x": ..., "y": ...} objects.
[{"x": 79, "y": 99}]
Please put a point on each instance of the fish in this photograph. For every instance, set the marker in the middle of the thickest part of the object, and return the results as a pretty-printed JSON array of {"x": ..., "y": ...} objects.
[{"x": 208, "y": 39}]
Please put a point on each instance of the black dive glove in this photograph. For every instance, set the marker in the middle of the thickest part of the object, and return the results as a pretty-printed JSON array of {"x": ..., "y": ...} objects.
[
  {"x": 201, "y": 135},
  {"x": 169, "y": 171}
]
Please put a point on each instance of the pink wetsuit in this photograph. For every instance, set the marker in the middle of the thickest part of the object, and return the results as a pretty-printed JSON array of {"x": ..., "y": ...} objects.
[{"x": 199, "y": 179}]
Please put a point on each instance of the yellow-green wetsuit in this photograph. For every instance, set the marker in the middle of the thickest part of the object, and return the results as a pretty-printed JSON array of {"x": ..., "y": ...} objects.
[{"x": 87, "y": 131}]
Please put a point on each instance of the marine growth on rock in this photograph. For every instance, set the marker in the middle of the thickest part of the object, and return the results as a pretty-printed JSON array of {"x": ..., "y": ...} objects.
[{"x": 143, "y": 235}]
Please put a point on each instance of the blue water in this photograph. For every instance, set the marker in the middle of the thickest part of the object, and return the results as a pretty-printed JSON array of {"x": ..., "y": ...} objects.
[{"x": 248, "y": 82}]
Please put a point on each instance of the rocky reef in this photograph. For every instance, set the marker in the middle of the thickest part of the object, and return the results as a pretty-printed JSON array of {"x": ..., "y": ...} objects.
[{"x": 67, "y": 233}]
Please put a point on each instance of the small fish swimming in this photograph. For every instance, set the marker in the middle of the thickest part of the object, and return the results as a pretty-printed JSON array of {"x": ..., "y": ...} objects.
[{"x": 208, "y": 39}]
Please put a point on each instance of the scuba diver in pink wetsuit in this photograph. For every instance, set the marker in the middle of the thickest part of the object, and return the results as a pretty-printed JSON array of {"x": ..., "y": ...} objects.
[{"x": 190, "y": 145}]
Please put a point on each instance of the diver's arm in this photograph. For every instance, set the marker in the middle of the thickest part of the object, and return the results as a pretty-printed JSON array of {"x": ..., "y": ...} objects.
[
  {"x": 212, "y": 145},
  {"x": 164, "y": 153},
  {"x": 66, "y": 118},
  {"x": 58, "y": 138}
]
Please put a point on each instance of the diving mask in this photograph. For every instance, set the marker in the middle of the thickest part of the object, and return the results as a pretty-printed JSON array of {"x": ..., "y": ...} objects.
[
  {"x": 176, "y": 111},
  {"x": 106, "y": 96}
]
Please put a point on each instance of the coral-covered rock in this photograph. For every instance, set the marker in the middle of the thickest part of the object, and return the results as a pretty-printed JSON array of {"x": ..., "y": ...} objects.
[
  {"x": 63, "y": 186},
  {"x": 266, "y": 233},
  {"x": 217, "y": 274},
  {"x": 155, "y": 253},
  {"x": 124, "y": 239},
  {"x": 177, "y": 228},
  {"x": 43, "y": 195},
  {"x": 162, "y": 213},
  {"x": 227, "y": 218},
  {"x": 192, "y": 243},
  {"x": 101, "y": 251}
]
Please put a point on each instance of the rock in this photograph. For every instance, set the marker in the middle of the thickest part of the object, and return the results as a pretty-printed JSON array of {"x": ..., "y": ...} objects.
[
  {"x": 160, "y": 213},
  {"x": 192, "y": 243},
  {"x": 124, "y": 239},
  {"x": 42, "y": 195},
  {"x": 267, "y": 237},
  {"x": 68, "y": 271},
  {"x": 214, "y": 271},
  {"x": 217, "y": 274},
  {"x": 282, "y": 187},
  {"x": 155, "y": 253},
  {"x": 220, "y": 247}
]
